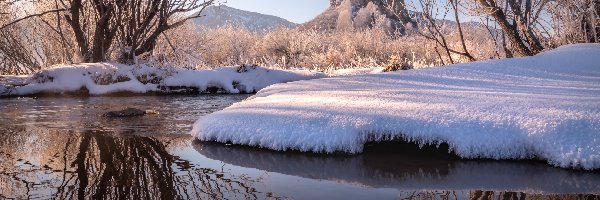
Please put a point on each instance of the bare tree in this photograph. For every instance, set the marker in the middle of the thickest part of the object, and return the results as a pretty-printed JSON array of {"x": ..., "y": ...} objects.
[
  {"x": 16, "y": 56},
  {"x": 133, "y": 25},
  {"x": 16, "y": 53},
  {"x": 517, "y": 19},
  {"x": 434, "y": 27}
]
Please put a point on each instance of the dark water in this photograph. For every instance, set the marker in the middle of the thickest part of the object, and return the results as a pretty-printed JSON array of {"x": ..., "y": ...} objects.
[{"x": 62, "y": 148}]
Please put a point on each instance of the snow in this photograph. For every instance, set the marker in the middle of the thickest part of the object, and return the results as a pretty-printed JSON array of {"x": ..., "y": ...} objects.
[
  {"x": 106, "y": 78},
  {"x": 544, "y": 107},
  {"x": 222, "y": 15},
  {"x": 251, "y": 81},
  {"x": 356, "y": 71}
]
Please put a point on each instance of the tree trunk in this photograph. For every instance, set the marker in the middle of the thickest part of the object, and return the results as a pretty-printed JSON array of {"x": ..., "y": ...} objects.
[
  {"x": 74, "y": 21},
  {"x": 522, "y": 24},
  {"x": 510, "y": 30}
]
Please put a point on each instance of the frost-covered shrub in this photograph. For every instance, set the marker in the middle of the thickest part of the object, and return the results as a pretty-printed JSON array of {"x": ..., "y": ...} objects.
[
  {"x": 291, "y": 48},
  {"x": 575, "y": 21},
  {"x": 395, "y": 63},
  {"x": 194, "y": 47}
]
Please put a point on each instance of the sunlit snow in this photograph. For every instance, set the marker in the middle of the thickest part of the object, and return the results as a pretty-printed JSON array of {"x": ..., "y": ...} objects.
[
  {"x": 545, "y": 107},
  {"x": 106, "y": 78}
]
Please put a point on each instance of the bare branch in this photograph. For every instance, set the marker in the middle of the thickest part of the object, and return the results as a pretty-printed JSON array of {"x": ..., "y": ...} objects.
[{"x": 34, "y": 15}]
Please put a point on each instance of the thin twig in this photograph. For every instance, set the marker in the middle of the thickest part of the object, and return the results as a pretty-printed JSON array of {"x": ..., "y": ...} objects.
[{"x": 34, "y": 15}]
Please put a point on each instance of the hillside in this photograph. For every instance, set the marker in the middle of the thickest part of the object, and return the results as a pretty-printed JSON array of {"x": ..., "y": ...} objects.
[{"x": 218, "y": 16}]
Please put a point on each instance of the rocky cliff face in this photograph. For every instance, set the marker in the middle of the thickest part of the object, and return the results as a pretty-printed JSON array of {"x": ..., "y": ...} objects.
[
  {"x": 335, "y": 3},
  {"x": 346, "y": 15}
]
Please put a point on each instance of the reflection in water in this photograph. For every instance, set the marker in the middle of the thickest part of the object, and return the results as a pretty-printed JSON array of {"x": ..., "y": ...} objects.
[
  {"x": 493, "y": 195},
  {"x": 413, "y": 172},
  {"x": 61, "y": 148},
  {"x": 100, "y": 165}
]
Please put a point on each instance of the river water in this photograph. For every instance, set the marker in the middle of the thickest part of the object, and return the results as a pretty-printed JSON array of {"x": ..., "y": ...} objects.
[{"x": 62, "y": 148}]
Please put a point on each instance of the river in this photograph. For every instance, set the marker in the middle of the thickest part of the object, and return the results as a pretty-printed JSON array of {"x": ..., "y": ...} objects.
[{"x": 62, "y": 148}]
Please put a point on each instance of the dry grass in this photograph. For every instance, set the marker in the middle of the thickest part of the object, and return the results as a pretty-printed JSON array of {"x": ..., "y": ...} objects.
[{"x": 291, "y": 48}]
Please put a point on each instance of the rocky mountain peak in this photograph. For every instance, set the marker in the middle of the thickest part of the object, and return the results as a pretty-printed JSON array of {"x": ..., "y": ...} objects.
[
  {"x": 362, "y": 14},
  {"x": 335, "y": 3}
]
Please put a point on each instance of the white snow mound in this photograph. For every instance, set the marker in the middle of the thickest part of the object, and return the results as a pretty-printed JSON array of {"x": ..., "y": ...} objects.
[
  {"x": 546, "y": 107},
  {"x": 106, "y": 78}
]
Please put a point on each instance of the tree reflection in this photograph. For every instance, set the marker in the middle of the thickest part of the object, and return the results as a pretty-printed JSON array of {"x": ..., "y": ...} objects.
[
  {"x": 492, "y": 195},
  {"x": 60, "y": 148},
  {"x": 105, "y": 165},
  {"x": 422, "y": 175}
]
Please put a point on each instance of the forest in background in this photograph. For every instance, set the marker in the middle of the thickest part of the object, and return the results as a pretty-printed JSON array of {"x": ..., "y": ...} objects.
[{"x": 39, "y": 34}]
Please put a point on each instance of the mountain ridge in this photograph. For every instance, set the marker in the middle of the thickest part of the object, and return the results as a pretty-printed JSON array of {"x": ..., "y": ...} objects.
[{"x": 222, "y": 15}]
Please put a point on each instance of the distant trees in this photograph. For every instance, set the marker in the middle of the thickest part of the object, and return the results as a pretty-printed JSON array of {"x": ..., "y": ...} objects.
[{"x": 97, "y": 28}]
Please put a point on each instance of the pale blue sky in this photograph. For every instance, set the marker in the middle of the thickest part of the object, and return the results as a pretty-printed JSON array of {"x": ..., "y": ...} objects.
[{"x": 298, "y": 11}]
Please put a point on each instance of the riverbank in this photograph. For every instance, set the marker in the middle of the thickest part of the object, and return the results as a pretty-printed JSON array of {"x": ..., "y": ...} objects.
[
  {"x": 541, "y": 107},
  {"x": 62, "y": 148},
  {"x": 115, "y": 79}
]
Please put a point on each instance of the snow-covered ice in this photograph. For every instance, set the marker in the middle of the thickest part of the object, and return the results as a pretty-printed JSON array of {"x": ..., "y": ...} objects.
[
  {"x": 106, "y": 78},
  {"x": 545, "y": 107}
]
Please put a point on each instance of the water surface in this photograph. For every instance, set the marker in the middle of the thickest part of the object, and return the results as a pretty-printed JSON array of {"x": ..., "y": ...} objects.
[{"x": 63, "y": 148}]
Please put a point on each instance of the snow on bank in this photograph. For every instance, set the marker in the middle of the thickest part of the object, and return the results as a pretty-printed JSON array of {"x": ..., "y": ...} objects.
[
  {"x": 105, "y": 78},
  {"x": 356, "y": 71},
  {"x": 231, "y": 81},
  {"x": 546, "y": 106}
]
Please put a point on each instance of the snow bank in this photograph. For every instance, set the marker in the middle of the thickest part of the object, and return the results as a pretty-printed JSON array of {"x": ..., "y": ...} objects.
[
  {"x": 230, "y": 80},
  {"x": 104, "y": 78},
  {"x": 356, "y": 71},
  {"x": 546, "y": 106}
]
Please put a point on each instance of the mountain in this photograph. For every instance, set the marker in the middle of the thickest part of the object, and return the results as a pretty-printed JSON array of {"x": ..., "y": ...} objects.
[
  {"x": 343, "y": 15},
  {"x": 218, "y": 16},
  {"x": 360, "y": 15}
]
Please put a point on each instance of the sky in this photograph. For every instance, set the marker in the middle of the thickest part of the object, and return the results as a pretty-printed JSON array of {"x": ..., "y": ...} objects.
[{"x": 297, "y": 11}]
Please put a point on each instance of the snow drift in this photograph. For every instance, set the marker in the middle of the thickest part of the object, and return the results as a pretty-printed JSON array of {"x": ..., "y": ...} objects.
[
  {"x": 545, "y": 107},
  {"x": 106, "y": 78}
]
